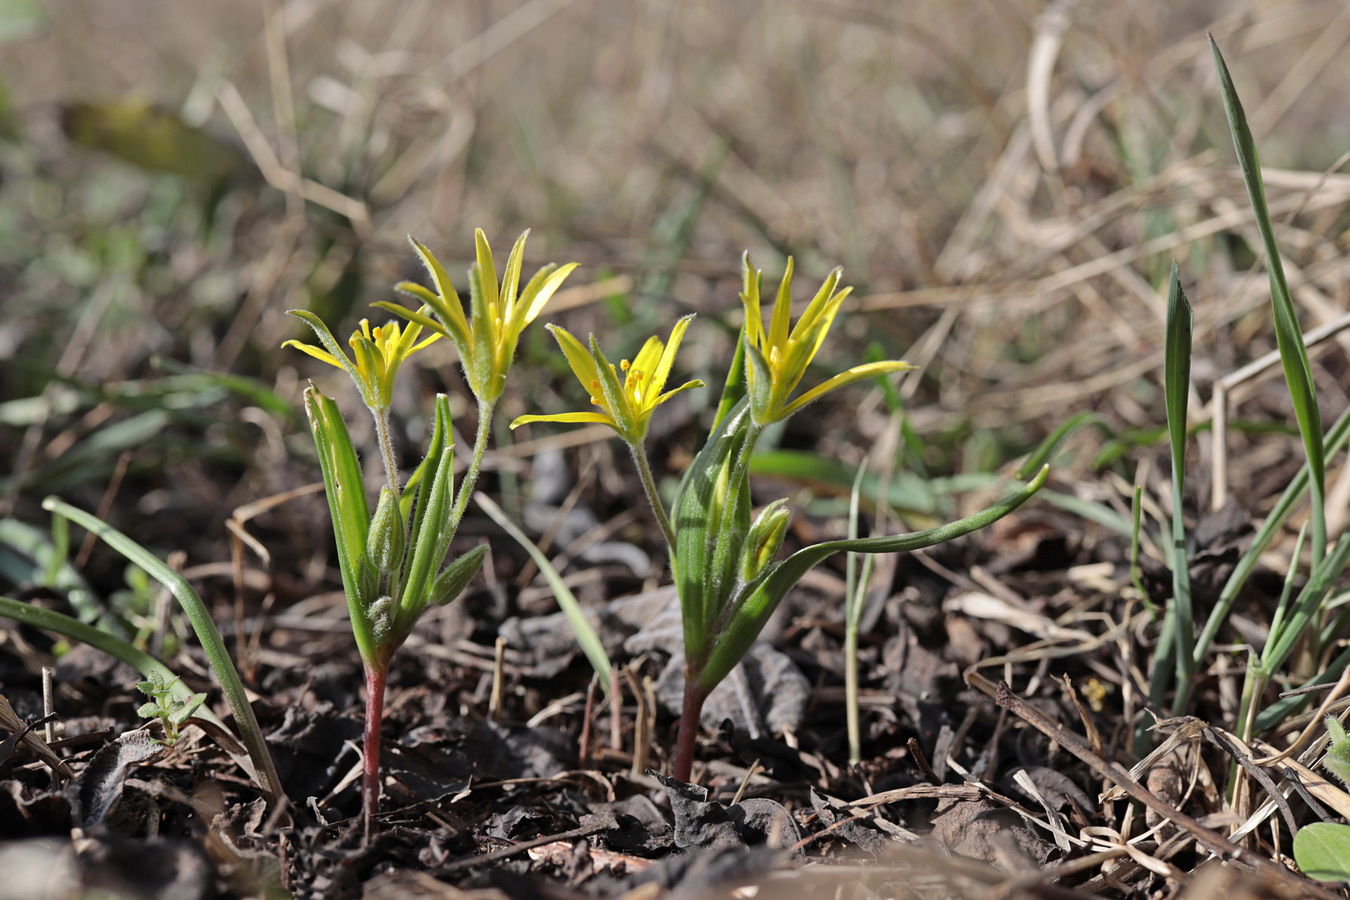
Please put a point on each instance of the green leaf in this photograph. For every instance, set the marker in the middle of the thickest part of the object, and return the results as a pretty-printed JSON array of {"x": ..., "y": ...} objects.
[
  {"x": 432, "y": 528},
  {"x": 187, "y": 708},
  {"x": 344, "y": 486},
  {"x": 1041, "y": 455},
  {"x": 1337, "y": 760},
  {"x": 590, "y": 642},
  {"x": 456, "y": 577},
  {"x": 748, "y": 617},
  {"x": 207, "y": 634},
  {"x": 1293, "y": 353},
  {"x": 1293, "y": 494},
  {"x": 1322, "y": 851},
  {"x": 1176, "y": 390}
]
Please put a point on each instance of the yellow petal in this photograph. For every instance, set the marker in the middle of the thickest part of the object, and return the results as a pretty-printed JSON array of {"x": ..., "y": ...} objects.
[
  {"x": 688, "y": 385},
  {"x": 578, "y": 357},
  {"x": 662, "y": 371},
  {"x": 572, "y": 418},
  {"x": 315, "y": 352},
  {"x": 857, "y": 373},
  {"x": 782, "y": 310}
]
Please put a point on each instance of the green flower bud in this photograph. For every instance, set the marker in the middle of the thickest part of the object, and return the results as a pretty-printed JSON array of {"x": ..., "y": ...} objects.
[
  {"x": 386, "y": 539},
  {"x": 456, "y": 576},
  {"x": 764, "y": 540},
  {"x": 381, "y": 616}
]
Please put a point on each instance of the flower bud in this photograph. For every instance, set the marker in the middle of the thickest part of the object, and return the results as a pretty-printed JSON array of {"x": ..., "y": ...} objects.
[
  {"x": 456, "y": 576},
  {"x": 386, "y": 539},
  {"x": 381, "y": 616},
  {"x": 764, "y": 540}
]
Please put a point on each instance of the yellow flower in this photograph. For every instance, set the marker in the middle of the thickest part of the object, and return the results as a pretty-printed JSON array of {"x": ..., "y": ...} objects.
[
  {"x": 377, "y": 354},
  {"x": 487, "y": 341},
  {"x": 626, "y": 407},
  {"x": 777, "y": 358}
]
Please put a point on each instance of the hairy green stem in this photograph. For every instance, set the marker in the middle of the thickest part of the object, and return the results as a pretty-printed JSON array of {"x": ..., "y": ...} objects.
[
  {"x": 653, "y": 497},
  {"x": 387, "y": 449},
  {"x": 480, "y": 442}
]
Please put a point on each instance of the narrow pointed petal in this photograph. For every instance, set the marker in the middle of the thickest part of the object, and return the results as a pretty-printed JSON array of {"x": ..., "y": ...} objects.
[
  {"x": 647, "y": 360},
  {"x": 420, "y": 318},
  {"x": 782, "y": 310},
  {"x": 824, "y": 299},
  {"x": 572, "y": 418},
  {"x": 578, "y": 357},
  {"x": 750, "y": 285},
  {"x": 511, "y": 278},
  {"x": 449, "y": 305},
  {"x": 322, "y": 355},
  {"x": 550, "y": 284},
  {"x": 662, "y": 371},
  {"x": 488, "y": 273},
  {"x": 687, "y": 386},
  {"x": 857, "y": 373}
]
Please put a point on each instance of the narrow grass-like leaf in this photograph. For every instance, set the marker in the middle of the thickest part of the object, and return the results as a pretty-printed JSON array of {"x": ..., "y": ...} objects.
[
  {"x": 1289, "y": 337},
  {"x": 348, "y": 507},
  {"x": 118, "y": 649},
  {"x": 432, "y": 528},
  {"x": 1137, "y": 515},
  {"x": 1306, "y": 608},
  {"x": 1293, "y": 494},
  {"x": 1176, "y": 388},
  {"x": 590, "y": 642},
  {"x": 207, "y": 634},
  {"x": 747, "y": 619},
  {"x": 1041, "y": 455},
  {"x": 855, "y": 592}
]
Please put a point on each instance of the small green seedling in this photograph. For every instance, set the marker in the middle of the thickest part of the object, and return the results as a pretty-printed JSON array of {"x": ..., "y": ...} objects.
[
  {"x": 1322, "y": 849},
  {"x": 1337, "y": 760},
  {"x": 171, "y": 710}
]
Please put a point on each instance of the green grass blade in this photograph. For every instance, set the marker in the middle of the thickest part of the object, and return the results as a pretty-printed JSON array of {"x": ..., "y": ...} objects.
[
  {"x": 1041, "y": 455},
  {"x": 1288, "y": 335},
  {"x": 567, "y": 601},
  {"x": 207, "y": 634},
  {"x": 1176, "y": 387},
  {"x": 73, "y": 628},
  {"x": 1137, "y": 517},
  {"x": 747, "y": 620},
  {"x": 1335, "y": 439}
]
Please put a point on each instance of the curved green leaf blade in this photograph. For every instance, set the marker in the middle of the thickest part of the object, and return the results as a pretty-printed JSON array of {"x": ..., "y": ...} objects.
[
  {"x": 1176, "y": 390},
  {"x": 1293, "y": 353},
  {"x": 586, "y": 636},
  {"x": 207, "y": 634}
]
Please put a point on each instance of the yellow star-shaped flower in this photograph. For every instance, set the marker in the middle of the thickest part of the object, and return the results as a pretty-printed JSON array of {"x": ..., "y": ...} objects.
[
  {"x": 777, "y": 357},
  {"x": 626, "y": 407},
  {"x": 377, "y": 354},
  {"x": 487, "y": 340}
]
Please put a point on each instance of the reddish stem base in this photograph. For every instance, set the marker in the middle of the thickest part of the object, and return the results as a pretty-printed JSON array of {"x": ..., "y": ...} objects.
[
  {"x": 370, "y": 775},
  {"x": 686, "y": 738}
]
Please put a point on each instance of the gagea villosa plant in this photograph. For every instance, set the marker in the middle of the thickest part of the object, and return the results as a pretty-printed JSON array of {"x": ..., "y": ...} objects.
[
  {"x": 725, "y": 561},
  {"x": 393, "y": 561}
]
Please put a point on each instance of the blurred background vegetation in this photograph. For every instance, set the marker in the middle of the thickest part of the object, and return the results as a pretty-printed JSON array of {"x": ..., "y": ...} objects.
[{"x": 1005, "y": 183}]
